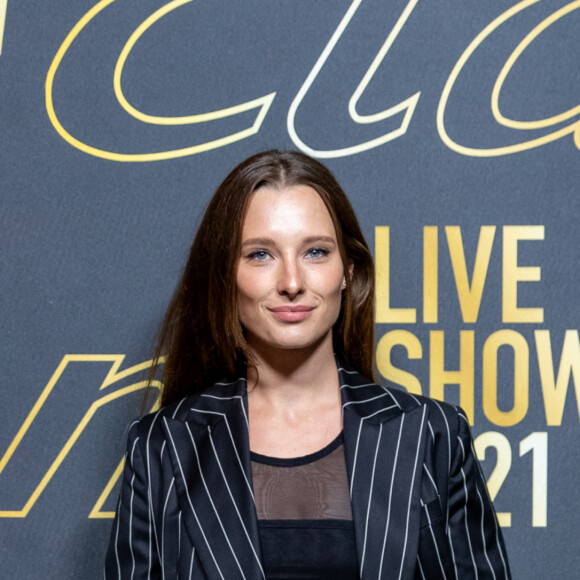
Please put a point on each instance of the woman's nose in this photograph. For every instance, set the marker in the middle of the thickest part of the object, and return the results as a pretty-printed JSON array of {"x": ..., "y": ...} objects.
[{"x": 290, "y": 279}]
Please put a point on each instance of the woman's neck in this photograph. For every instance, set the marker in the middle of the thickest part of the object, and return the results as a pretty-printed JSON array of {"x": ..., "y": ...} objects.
[
  {"x": 293, "y": 374},
  {"x": 294, "y": 402}
]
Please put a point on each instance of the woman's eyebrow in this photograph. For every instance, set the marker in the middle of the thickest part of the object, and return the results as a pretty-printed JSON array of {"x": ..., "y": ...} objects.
[
  {"x": 271, "y": 242},
  {"x": 258, "y": 242},
  {"x": 315, "y": 239}
]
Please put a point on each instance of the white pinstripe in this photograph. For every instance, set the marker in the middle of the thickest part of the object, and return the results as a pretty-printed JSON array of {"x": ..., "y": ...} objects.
[
  {"x": 117, "y": 542},
  {"x": 463, "y": 418},
  {"x": 234, "y": 447},
  {"x": 390, "y": 395},
  {"x": 501, "y": 554},
  {"x": 177, "y": 407},
  {"x": 354, "y": 387},
  {"x": 448, "y": 434},
  {"x": 163, "y": 447},
  {"x": 211, "y": 499},
  {"x": 131, "y": 510},
  {"x": 391, "y": 493},
  {"x": 420, "y": 568},
  {"x": 358, "y": 438},
  {"x": 220, "y": 397},
  {"x": 244, "y": 412},
  {"x": 415, "y": 399},
  {"x": 131, "y": 527},
  {"x": 411, "y": 490},
  {"x": 179, "y": 533},
  {"x": 378, "y": 412},
  {"x": 241, "y": 399},
  {"x": 191, "y": 504},
  {"x": 448, "y": 462},
  {"x": 447, "y": 530},
  {"x": 150, "y": 545},
  {"x": 162, "y": 555},
  {"x": 435, "y": 544},
  {"x": 365, "y": 401},
  {"x": 235, "y": 506},
  {"x": 449, "y": 535},
  {"x": 149, "y": 495},
  {"x": 431, "y": 431},
  {"x": 191, "y": 564},
  {"x": 465, "y": 508},
  {"x": 483, "y": 534},
  {"x": 222, "y": 384},
  {"x": 348, "y": 372},
  {"x": 430, "y": 477},
  {"x": 369, "y": 503},
  {"x": 355, "y": 458}
]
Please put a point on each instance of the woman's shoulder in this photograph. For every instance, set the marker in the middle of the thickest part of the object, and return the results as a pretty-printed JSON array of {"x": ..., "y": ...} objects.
[
  {"x": 215, "y": 399},
  {"x": 152, "y": 421},
  {"x": 361, "y": 389},
  {"x": 436, "y": 407},
  {"x": 442, "y": 415}
]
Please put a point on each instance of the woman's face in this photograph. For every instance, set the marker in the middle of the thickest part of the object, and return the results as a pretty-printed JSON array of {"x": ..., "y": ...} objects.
[{"x": 289, "y": 274}]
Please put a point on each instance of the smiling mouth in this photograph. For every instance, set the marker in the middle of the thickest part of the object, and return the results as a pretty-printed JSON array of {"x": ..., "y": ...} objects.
[{"x": 294, "y": 313}]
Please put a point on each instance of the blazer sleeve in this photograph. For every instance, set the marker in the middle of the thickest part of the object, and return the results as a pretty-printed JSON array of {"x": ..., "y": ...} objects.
[
  {"x": 475, "y": 537},
  {"x": 132, "y": 552}
]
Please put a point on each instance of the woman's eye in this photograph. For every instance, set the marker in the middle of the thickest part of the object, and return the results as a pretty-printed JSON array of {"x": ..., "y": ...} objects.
[
  {"x": 317, "y": 252},
  {"x": 259, "y": 255}
]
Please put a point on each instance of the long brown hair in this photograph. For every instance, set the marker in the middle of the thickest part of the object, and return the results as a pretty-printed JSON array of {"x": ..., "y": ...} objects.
[{"x": 201, "y": 337}]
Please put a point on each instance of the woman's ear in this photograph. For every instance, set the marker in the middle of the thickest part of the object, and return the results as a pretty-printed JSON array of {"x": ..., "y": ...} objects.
[
  {"x": 349, "y": 274},
  {"x": 350, "y": 270}
]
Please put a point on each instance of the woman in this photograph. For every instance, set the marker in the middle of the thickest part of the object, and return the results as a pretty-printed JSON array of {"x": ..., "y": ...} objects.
[{"x": 275, "y": 455}]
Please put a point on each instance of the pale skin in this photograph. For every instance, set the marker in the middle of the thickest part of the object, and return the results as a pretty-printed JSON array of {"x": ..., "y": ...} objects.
[{"x": 290, "y": 280}]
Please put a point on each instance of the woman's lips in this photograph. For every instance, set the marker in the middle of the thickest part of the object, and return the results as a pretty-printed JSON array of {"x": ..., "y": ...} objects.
[{"x": 292, "y": 313}]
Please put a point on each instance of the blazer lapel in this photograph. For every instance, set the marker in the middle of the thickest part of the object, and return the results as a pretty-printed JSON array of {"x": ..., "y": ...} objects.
[
  {"x": 384, "y": 439},
  {"x": 210, "y": 456}
]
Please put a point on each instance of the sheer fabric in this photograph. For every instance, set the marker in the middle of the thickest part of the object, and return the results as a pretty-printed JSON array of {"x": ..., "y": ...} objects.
[
  {"x": 313, "y": 487},
  {"x": 304, "y": 515}
]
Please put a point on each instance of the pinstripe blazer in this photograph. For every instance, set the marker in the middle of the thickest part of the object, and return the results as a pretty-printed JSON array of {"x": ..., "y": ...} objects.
[{"x": 419, "y": 501}]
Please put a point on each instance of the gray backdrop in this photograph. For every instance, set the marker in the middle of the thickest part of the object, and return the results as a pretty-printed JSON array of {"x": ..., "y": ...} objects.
[{"x": 453, "y": 126}]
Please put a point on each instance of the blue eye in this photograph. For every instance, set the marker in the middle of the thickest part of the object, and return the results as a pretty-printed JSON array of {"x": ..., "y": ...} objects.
[
  {"x": 259, "y": 255},
  {"x": 317, "y": 252}
]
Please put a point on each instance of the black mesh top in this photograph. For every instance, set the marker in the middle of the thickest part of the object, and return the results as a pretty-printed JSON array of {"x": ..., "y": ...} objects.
[{"x": 304, "y": 515}]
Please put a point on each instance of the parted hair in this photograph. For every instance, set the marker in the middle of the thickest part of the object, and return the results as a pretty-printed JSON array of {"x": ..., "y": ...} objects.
[{"x": 201, "y": 338}]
